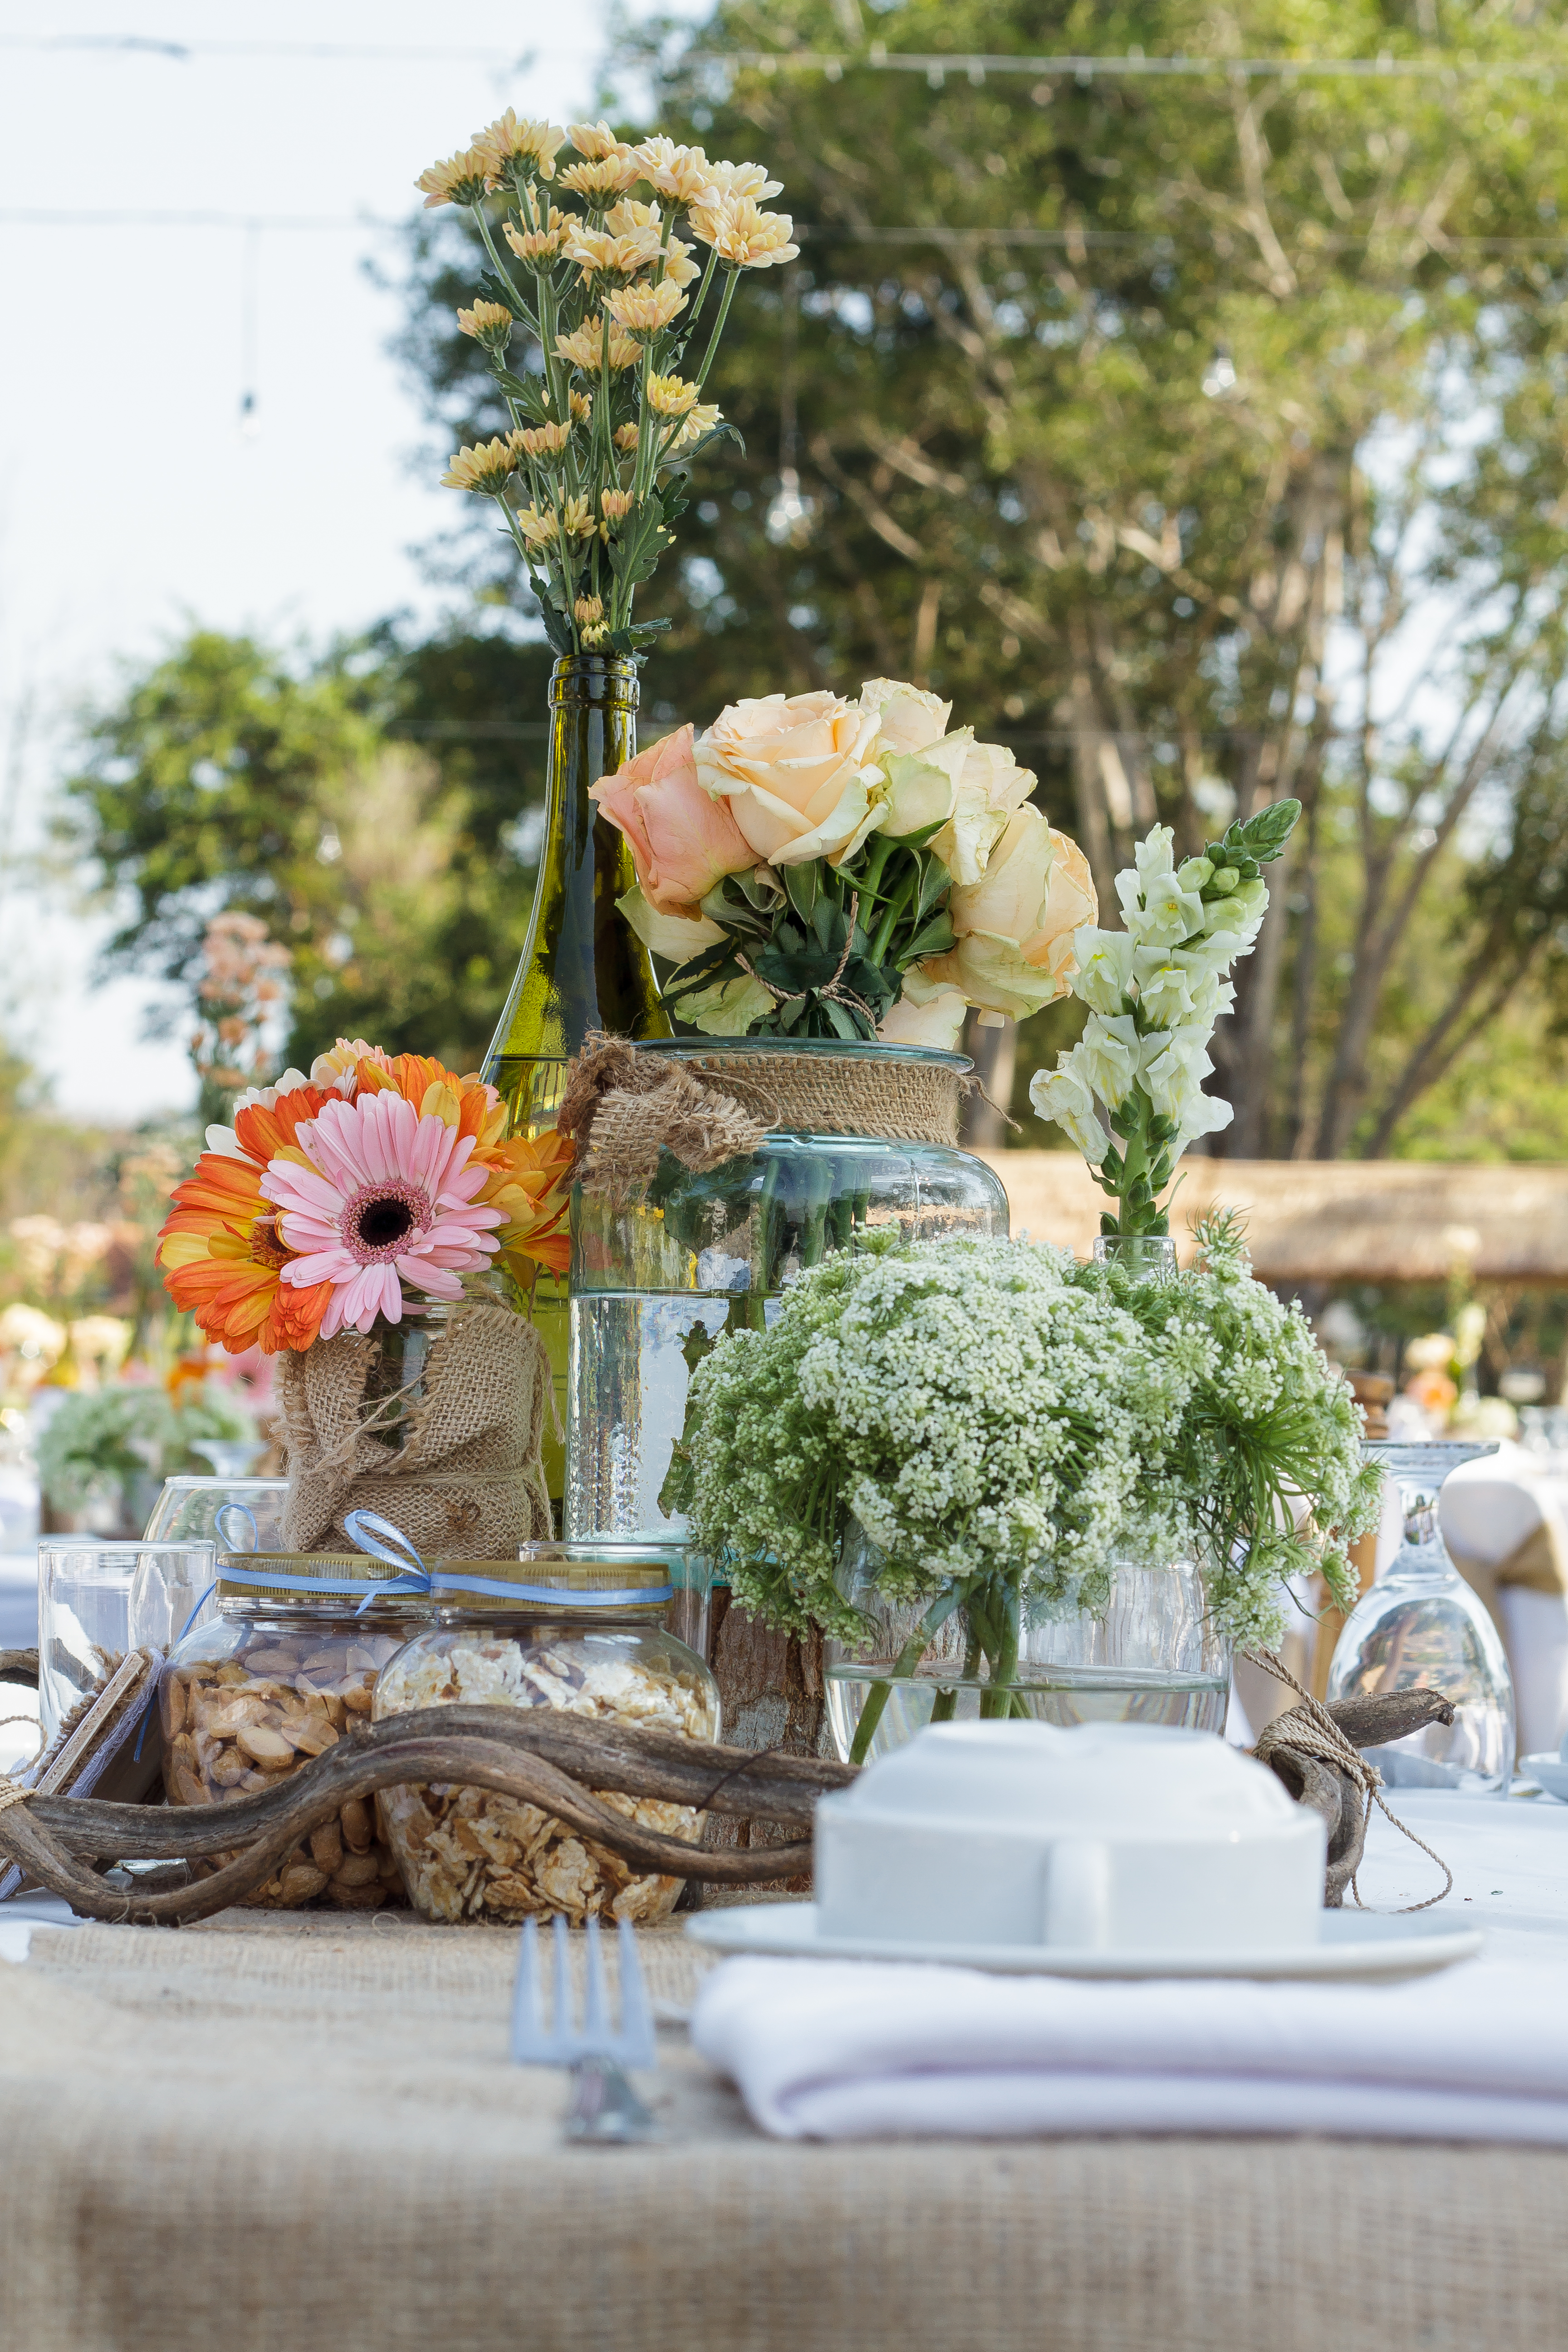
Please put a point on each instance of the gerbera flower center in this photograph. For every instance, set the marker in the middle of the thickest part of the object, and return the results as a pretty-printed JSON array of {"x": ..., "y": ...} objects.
[
  {"x": 266, "y": 1249},
  {"x": 379, "y": 1219}
]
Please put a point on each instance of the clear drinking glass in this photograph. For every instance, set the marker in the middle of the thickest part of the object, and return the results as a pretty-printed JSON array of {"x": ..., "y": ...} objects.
[
  {"x": 1146, "y": 1257},
  {"x": 86, "y": 1620},
  {"x": 1421, "y": 1627}
]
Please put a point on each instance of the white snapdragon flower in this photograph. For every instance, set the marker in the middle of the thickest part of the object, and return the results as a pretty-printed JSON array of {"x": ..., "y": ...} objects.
[
  {"x": 1153, "y": 857},
  {"x": 1066, "y": 1096},
  {"x": 1107, "y": 962},
  {"x": 1109, "y": 1053},
  {"x": 1168, "y": 914},
  {"x": 1174, "y": 1065}
]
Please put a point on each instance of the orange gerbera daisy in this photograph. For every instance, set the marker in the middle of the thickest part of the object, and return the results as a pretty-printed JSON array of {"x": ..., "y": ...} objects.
[
  {"x": 529, "y": 1183},
  {"x": 219, "y": 1249}
]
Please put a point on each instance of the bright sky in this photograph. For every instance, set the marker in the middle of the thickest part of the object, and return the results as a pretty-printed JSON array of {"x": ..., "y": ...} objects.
[{"x": 131, "y": 501}]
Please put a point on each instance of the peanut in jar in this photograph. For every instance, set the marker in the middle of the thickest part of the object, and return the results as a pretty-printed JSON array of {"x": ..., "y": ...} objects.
[{"x": 278, "y": 1677}]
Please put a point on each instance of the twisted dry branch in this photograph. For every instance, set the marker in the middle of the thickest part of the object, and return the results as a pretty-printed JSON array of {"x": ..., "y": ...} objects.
[{"x": 546, "y": 1760}]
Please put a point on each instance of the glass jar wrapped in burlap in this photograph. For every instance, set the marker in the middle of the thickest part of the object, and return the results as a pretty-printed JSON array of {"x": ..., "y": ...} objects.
[{"x": 434, "y": 1422}]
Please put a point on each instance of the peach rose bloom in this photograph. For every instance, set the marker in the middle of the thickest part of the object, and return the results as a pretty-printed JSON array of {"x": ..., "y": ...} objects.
[
  {"x": 682, "y": 840},
  {"x": 1016, "y": 925},
  {"x": 793, "y": 769}
]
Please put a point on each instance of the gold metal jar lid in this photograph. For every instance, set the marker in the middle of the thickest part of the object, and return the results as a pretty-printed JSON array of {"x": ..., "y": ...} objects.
[
  {"x": 547, "y": 1581},
  {"x": 299, "y": 1579}
]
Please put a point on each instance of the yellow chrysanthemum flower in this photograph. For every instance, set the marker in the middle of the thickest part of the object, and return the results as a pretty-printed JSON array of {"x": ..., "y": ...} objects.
[
  {"x": 671, "y": 396},
  {"x": 679, "y": 269},
  {"x": 701, "y": 420},
  {"x": 485, "y": 468},
  {"x": 534, "y": 244},
  {"x": 599, "y": 182},
  {"x": 626, "y": 437},
  {"x": 512, "y": 147},
  {"x": 538, "y": 530},
  {"x": 742, "y": 235},
  {"x": 582, "y": 406},
  {"x": 461, "y": 180},
  {"x": 740, "y": 180},
  {"x": 596, "y": 634},
  {"x": 545, "y": 441},
  {"x": 615, "y": 504},
  {"x": 679, "y": 172},
  {"x": 587, "y": 610},
  {"x": 598, "y": 255},
  {"x": 595, "y": 141},
  {"x": 626, "y": 218},
  {"x": 577, "y": 520},
  {"x": 489, "y": 324},
  {"x": 585, "y": 348},
  {"x": 646, "y": 310}
]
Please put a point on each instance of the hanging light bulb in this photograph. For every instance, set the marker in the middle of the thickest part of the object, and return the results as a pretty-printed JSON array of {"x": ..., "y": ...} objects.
[
  {"x": 1220, "y": 378},
  {"x": 792, "y": 514}
]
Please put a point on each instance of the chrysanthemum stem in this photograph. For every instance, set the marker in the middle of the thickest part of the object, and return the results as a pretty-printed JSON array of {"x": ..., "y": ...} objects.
[{"x": 729, "y": 285}]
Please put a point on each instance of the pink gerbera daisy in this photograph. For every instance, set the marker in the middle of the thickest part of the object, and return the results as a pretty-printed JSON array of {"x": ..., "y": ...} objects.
[{"x": 387, "y": 1198}]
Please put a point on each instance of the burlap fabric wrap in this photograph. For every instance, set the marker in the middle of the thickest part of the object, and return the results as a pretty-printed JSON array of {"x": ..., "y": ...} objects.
[
  {"x": 468, "y": 1477},
  {"x": 622, "y": 1107},
  {"x": 276, "y": 2141}
]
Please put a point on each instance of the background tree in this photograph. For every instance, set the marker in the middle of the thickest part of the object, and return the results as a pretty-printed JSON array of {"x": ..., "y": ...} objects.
[{"x": 1198, "y": 436}]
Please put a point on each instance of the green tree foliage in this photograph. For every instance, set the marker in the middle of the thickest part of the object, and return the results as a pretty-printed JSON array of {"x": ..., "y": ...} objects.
[
  {"x": 379, "y": 808},
  {"x": 1199, "y": 436}
]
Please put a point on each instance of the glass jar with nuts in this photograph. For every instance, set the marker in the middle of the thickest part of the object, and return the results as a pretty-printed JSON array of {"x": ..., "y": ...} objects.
[
  {"x": 285, "y": 1668},
  {"x": 579, "y": 1626}
]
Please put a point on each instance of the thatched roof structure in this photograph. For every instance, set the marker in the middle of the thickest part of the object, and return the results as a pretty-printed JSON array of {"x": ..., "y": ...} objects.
[{"x": 1330, "y": 1220}]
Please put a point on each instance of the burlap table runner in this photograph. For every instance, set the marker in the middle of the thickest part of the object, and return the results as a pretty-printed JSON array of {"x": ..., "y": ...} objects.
[
  {"x": 468, "y": 1478},
  {"x": 288, "y": 2137}
]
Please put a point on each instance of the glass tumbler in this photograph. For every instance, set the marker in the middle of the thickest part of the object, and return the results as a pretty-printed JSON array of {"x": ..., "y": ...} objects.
[
  {"x": 95, "y": 1603},
  {"x": 1421, "y": 1627}
]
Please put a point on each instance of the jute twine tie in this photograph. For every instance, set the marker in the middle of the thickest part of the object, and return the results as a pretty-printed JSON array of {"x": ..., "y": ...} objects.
[
  {"x": 1311, "y": 1730},
  {"x": 12, "y": 1792}
]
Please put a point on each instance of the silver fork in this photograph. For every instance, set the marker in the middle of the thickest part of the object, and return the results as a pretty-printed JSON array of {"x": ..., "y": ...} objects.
[{"x": 604, "y": 2105}]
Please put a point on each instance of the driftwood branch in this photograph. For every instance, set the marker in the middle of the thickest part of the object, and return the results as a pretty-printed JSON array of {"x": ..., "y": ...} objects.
[{"x": 551, "y": 1760}]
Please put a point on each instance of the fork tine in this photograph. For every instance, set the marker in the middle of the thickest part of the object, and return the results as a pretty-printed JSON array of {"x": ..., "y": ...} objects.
[
  {"x": 596, "y": 2034},
  {"x": 637, "y": 2047},
  {"x": 527, "y": 2027},
  {"x": 565, "y": 2042}
]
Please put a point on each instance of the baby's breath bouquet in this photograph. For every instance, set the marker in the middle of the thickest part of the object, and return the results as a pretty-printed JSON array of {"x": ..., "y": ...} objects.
[
  {"x": 1003, "y": 1427},
  {"x": 608, "y": 412}
]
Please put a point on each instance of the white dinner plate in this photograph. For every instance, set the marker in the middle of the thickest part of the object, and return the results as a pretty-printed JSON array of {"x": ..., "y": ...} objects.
[
  {"x": 1550, "y": 1770},
  {"x": 1352, "y": 1944}
]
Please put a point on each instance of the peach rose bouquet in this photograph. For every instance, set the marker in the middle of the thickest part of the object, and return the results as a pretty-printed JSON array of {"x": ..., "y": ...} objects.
[{"x": 814, "y": 867}]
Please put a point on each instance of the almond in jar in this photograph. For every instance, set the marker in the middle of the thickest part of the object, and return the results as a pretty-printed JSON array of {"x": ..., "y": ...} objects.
[{"x": 578, "y": 1627}]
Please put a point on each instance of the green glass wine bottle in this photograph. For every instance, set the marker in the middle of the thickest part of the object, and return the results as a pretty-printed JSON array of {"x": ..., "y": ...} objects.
[{"x": 582, "y": 966}]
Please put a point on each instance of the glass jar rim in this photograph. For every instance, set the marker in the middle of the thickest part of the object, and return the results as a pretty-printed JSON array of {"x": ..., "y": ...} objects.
[{"x": 837, "y": 1049}]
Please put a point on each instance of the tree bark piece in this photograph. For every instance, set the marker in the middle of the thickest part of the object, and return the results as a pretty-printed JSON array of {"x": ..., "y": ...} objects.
[{"x": 770, "y": 1687}]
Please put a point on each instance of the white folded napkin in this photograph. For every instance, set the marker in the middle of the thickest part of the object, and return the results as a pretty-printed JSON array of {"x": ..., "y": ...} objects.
[{"x": 859, "y": 2050}]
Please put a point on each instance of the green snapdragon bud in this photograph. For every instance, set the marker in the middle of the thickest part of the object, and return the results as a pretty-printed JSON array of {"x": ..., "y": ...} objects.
[
  {"x": 1193, "y": 873},
  {"x": 1225, "y": 878}
]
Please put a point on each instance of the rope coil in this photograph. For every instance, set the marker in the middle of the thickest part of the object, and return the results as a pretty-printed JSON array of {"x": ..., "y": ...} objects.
[{"x": 1311, "y": 1730}]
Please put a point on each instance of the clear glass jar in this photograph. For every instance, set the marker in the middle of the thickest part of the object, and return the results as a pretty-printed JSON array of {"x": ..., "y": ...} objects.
[
  {"x": 561, "y": 1630},
  {"x": 1142, "y": 1257},
  {"x": 1421, "y": 1627},
  {"x": 1152, "y": 1654},
  {"x": 653, "y": 1284},
  {"x": 274, "y": 1679}
]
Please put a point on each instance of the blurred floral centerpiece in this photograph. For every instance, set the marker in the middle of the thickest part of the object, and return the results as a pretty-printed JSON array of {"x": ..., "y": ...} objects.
[{"x": 820, "y": 867}]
